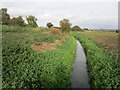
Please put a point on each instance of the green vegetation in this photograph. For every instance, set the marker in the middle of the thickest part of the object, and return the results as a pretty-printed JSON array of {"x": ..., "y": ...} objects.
[
  {"x": 86, "y": 29},
  {"x": 105, "y": 39},
  {"x": 49, "y": 25},
  {"x": 6, "y": 28},
  {"x": 26, "y": 68},
  {"x": 65, "y": 25},
  {"x": 5, "y": 16},
  {"x": 103, "y": 68},
  {"x": 16, "y": 21},
  {"x": 32, "y": 21},
  {"x": 76, "y": 28}
]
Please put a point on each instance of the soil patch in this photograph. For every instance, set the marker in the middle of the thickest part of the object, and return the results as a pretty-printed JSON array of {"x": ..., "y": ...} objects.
[
  {"x": 43, "y": 46},
  {"x": 48, "y": 32}
]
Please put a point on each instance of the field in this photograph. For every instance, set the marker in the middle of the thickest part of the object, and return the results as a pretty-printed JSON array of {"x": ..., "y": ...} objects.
[
  {"x": 107, "y": 40},
  {"x": 23, "y": 67},
  {"x": 43, "y": 58},
  {"x": 103, "y": 67}
]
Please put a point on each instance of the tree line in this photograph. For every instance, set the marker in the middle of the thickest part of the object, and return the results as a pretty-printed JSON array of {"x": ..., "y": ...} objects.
[
  {"x": 65, "y": 24},
  {"x": 16, "y": 21}
]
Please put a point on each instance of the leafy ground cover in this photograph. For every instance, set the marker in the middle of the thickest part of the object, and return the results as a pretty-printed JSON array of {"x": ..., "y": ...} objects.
[
  {"x": 103, "y": 68},
  {"x": 22, "y": 67}
]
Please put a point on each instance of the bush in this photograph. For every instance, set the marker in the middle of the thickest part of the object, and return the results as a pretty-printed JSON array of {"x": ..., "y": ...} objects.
[
  {"x": 49, "y": 25},
  {"x": 117, "y": 31},
  {"x": 76, "y": 28},
  {"x": 85, "y": 28}
]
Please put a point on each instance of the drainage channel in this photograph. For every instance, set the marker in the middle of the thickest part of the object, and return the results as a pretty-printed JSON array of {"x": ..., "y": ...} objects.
[{"x": 79, "y": 75}]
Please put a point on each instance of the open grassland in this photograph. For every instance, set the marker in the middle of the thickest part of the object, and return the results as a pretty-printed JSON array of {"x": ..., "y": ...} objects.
[
  {"x": 107, "y": 40},
  {"x": 23, "y": 67},
  {"x": 103, "y": 68}
]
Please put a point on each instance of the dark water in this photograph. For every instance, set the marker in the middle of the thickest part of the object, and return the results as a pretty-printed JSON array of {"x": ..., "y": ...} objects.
[{"x": 79, "y": 75}]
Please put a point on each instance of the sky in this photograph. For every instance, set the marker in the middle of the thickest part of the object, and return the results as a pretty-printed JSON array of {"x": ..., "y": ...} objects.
[{"x": 92, "y": 14}]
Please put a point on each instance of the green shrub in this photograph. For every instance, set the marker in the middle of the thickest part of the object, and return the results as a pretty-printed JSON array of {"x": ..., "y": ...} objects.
[
  {"x": 49, "y": 25},
  {"x": 86, "y": 29},
  {"x": 76, "y": 28},
  {"x": 117, "y": 31}
]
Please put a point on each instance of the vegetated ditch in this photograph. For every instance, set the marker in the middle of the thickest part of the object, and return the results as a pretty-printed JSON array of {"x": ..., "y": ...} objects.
[
  {"x": 79, "y": 74},
  {"x": 103, "y": 69}
]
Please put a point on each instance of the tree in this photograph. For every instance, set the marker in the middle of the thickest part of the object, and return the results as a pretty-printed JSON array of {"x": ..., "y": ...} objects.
[
  {"x": 76, "y": 28},
  {"x": 85, "y": 28},
  {"x": 0, "y": 16},
  {"x": 49, "y": 25},
  {"x": 5, "y": 16},
  {"x": 32, "y": 21},
  {"x": 65, "y": 25},
  {"x": 18, "y": 21},
  {"x": 117, "y": 31},
  {"x": 12, "y": 21}
]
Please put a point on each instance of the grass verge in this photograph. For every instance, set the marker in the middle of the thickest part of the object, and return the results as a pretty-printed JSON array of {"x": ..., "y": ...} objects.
[{"x": 103, "y": 68}]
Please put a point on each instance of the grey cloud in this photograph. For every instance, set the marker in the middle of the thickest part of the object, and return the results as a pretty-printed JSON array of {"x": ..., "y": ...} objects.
[{"x": 91, "y": 15}]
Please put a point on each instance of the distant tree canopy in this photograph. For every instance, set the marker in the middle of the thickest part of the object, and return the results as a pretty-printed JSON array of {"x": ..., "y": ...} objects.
[
  {"x": 49, "y": 25},
  {"x": 18, "y": 21},
  {"x": 65, "y": 25},
  {"x": 32, "y": 21},
  {"x": 5, "y": 16},
  {"x": 85, "y": 28},
  {"x": 76, "y": 28},
  {"x": 5, "y": 19}
]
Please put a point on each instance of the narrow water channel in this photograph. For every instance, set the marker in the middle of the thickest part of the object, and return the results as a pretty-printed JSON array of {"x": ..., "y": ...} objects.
[{"x": 79, "y": 75}]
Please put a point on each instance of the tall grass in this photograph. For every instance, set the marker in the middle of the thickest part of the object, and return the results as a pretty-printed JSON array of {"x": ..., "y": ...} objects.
[
  {"x": 103, "y": 68},
  {"x": 6, "y": 28}
]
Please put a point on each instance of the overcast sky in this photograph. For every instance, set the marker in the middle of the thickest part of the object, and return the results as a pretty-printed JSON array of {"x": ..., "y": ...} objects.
[{"x": 93, "y": 14}]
